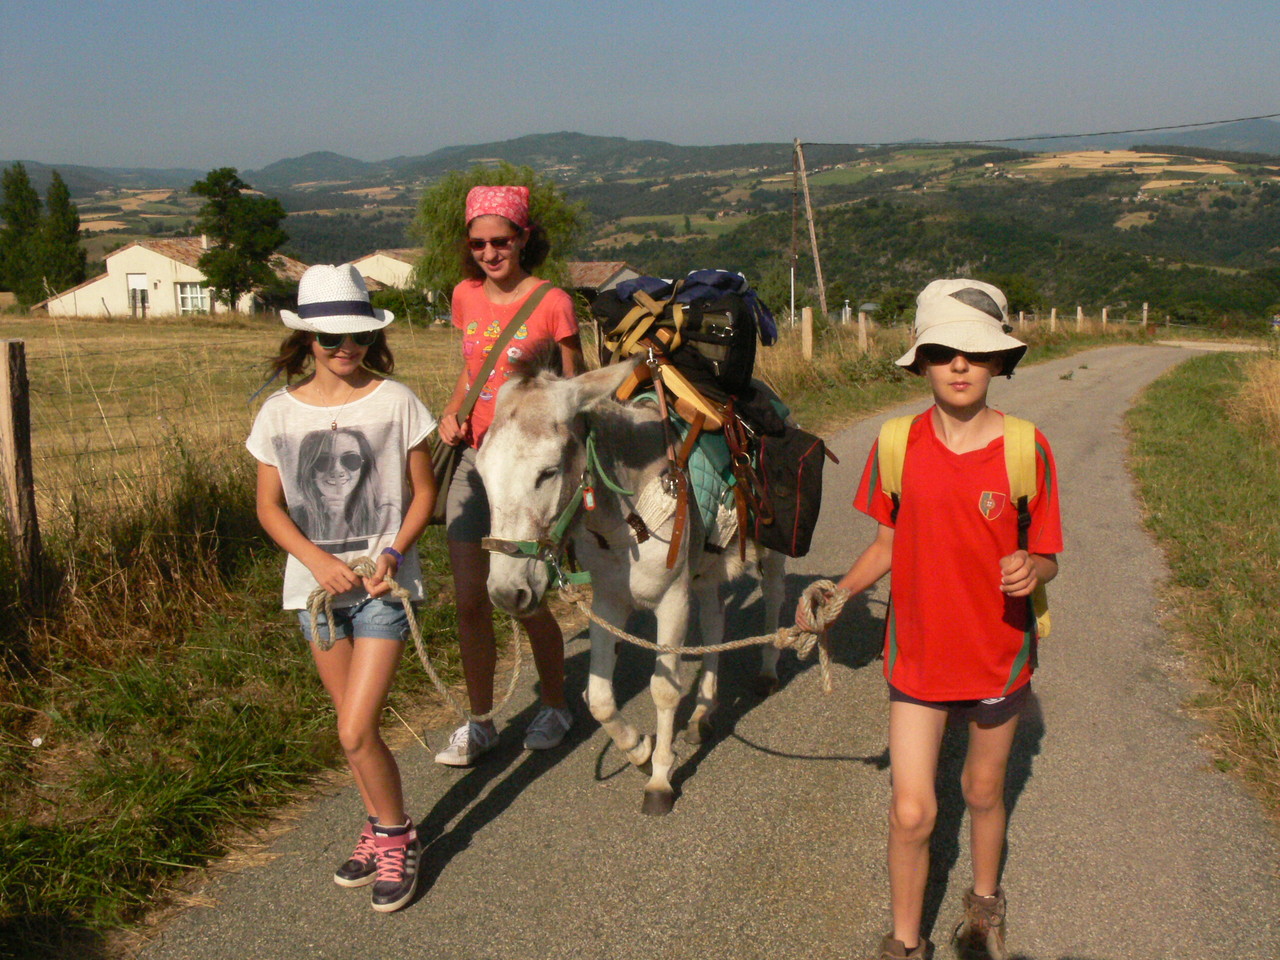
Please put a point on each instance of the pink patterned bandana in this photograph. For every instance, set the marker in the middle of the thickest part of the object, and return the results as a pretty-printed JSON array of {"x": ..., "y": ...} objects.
[{"x": 509, "y": 202}]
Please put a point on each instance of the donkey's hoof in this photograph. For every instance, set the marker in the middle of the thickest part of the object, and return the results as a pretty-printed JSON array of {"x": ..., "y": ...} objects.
[
  {"x": 765, "y": 686},
  {"x": 698, "y": 731},
  {"x": 642, "y": 751},
  {"x": 658, "y": 802}
]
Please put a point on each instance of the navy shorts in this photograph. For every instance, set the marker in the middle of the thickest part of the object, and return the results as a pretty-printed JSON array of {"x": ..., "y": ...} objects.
[
  {"x": 371, "y": 617},
  {"x": 990, "y": 712}
]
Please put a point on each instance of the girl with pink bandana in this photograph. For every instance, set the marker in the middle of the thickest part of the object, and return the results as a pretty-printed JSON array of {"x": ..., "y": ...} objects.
[{"x": 501, "y": 250}]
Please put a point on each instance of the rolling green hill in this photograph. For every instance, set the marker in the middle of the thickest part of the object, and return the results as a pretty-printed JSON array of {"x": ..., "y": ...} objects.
[{"x": 1192, "y": 229}]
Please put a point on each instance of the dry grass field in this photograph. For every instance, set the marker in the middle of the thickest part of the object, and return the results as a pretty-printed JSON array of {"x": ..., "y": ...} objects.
[{"x": 1140, "y": 162}]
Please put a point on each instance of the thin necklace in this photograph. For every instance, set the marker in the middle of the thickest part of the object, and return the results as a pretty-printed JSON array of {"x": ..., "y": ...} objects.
[{"x": 334, "y": 423}]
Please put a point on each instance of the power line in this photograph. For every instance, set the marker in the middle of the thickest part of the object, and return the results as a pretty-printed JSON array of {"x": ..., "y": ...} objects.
[{"x": 1053, "y": 136}]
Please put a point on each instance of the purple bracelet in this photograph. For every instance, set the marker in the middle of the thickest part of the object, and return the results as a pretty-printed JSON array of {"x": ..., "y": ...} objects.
[{"x": 394, "y": 553}]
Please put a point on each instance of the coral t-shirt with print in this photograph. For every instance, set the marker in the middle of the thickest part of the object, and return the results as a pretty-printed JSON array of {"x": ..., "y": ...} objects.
[{"x": 481, "y": 323}]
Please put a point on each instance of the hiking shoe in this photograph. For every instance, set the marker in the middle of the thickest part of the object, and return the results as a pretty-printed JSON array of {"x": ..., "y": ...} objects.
[
  {"x": 891, "y": 949},
  {"x": 548, "y": 728},
  {"x": 980, "y": 935},
  {"x": 467, "y": 744},
  {"x": 397, "y": 871},
  {"x": 360, "y": 867}
]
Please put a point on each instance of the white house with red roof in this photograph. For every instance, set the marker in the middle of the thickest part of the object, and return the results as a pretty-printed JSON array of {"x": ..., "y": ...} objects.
[{"x": 156, "y": 277}]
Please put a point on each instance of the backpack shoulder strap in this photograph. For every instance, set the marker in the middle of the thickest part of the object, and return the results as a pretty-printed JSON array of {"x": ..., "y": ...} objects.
[
  {"x": 1020, "y": 457},
  {"x": 891, "y": 453},
  {"x": 1020, "y": 462}
]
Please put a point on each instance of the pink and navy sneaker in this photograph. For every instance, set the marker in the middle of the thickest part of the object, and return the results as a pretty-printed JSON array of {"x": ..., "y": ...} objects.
[{"x": 397, "y": 852}]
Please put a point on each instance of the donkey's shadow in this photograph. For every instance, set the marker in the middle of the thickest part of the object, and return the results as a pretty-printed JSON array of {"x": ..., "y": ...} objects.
[
  {"x": 486, "y": 790},
  {"x": 854, "y": 642}
]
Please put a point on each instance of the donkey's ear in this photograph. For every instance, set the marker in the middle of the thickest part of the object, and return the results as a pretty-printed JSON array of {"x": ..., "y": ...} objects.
[{"x": 597, "y": 386}]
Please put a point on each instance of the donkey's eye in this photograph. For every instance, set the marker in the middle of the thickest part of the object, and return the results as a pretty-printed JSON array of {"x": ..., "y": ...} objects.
[{"x": 545, "y": 475}]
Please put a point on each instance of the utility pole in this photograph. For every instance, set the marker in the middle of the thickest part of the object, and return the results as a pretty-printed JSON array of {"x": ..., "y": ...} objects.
[
  {"x": 795, "y": 211},
  {"x": 813, "y": 234}
]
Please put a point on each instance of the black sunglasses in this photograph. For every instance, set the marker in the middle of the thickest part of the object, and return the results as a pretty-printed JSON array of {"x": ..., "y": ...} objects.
[
  {"x": 332, "y": 341},
  {"x": 935, "y": 354},
  {"x": 498, "y": 243},
  {"x": 351, "y": 462}
]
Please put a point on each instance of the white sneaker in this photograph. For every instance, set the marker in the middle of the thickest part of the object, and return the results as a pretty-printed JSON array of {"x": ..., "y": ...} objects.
[
  {"x": 548, "y": 728},
  {"x": 467, "y": 744}
]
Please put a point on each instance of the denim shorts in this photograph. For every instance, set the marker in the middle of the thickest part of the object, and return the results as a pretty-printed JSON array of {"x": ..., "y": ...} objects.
[{"x": 371, "y": 617}]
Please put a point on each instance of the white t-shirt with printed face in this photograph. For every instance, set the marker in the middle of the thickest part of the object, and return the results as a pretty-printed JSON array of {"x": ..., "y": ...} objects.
[{"x": 344, "y": 475}]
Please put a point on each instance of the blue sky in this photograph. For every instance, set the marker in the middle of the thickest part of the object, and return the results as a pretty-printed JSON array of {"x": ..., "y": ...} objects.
[{"x": 238, "y": 83}]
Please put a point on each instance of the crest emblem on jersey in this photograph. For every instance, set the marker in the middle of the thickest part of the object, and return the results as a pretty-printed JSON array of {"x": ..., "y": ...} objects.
[{"x": 991, "y": 503}]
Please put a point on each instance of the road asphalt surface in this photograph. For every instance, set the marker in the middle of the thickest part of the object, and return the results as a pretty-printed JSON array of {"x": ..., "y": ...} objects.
[{"x": 1124, "y": 841}]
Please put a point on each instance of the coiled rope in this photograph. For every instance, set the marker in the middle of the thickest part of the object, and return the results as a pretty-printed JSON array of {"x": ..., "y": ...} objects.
[{"x": 320, "y": 601}]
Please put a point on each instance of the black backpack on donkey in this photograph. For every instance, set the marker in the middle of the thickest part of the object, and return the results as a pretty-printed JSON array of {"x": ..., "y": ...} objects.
[{"x": 705, "y": 326}]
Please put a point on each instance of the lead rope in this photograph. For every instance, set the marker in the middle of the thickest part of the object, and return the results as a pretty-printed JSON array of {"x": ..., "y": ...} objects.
[
  {"x": 321, "y": 601},
  {"x": 825, "y": 601},
  {"x": 824, "y": 598}
]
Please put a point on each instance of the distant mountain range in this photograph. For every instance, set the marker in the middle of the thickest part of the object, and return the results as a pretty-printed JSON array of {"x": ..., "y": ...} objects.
[{"x": 575, "y": 156}]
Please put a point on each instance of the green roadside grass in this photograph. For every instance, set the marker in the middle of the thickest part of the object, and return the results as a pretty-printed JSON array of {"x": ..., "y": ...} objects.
[
  {"x": 1207, "y": 476},
  {"x": 167, "y": 710}
]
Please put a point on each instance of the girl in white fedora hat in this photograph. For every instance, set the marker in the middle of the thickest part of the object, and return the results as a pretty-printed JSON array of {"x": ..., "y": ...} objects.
[
  {"x": 343, "y": 473},
  {"x": 960, "y": 633}
]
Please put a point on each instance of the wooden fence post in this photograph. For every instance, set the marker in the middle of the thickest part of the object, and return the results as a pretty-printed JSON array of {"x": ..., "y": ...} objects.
[
  {"x": 1079, "y": 318},
  {"x": 15, "y": 464},
  {"x": 1053, "y": 320},
  {"x": 863, "y": 346},
  {"x": 1144, "y": 315},
  {"x": 1104, "y": 318},
  {"x": 806, "y": 332}
]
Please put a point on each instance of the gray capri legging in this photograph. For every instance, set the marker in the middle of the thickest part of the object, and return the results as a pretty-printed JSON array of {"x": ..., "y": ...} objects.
[{"x": 467, "y": 505}]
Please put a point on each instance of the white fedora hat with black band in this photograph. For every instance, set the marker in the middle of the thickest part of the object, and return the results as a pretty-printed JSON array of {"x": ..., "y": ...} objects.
[
  {"x": 334, "y": 300},
  {"x": 966, "y": 315}
]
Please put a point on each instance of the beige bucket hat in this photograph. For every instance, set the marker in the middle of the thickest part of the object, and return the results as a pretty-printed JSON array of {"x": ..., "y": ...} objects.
[
  {"x": 966, "y": 315},
  {"x": 334, "y": 300}
]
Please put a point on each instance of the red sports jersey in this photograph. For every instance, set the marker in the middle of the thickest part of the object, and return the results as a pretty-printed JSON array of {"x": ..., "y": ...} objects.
[{"x": 950, "y": 633}]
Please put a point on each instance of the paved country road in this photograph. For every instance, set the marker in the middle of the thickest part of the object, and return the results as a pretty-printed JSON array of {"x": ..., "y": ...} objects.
[{"x": 1124, "y": 842}]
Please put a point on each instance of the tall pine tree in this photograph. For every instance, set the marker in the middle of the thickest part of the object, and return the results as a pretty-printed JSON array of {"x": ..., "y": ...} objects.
[
  {"x": 245, "y": 230},
  {"x": 62, "y": 257},
  {"x": 20, "y": 237}
]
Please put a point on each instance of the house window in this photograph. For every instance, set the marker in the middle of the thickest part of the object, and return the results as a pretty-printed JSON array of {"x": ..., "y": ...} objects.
[{"x": 192, "y": 298}]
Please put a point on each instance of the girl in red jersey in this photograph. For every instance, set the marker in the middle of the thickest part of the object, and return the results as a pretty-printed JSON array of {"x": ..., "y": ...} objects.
[{"x": 959, "y": 634}]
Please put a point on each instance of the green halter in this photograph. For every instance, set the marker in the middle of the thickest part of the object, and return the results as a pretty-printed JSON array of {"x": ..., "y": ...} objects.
[{"x": 550, "y": 549}]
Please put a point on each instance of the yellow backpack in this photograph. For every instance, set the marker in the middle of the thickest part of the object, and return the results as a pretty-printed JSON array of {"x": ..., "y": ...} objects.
[{"x": 1019, "y": 461}]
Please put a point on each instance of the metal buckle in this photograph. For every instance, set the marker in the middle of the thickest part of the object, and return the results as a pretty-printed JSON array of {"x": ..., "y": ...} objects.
[{"x": 512, "y": 548}]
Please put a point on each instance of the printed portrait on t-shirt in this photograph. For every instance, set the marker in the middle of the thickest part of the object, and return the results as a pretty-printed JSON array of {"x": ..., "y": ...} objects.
[{"x": 342, "y": 498}]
